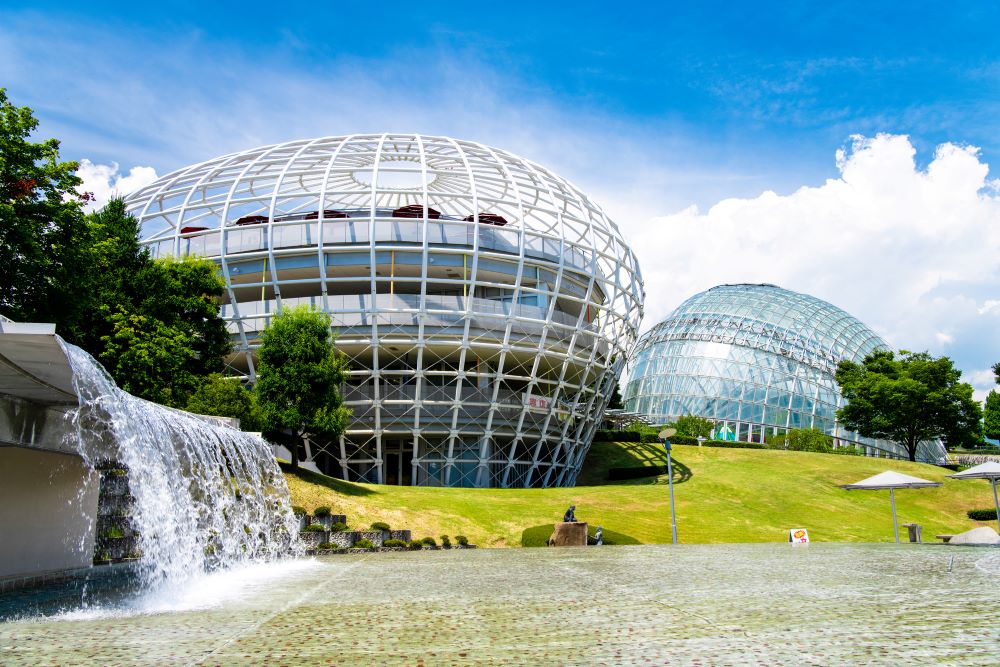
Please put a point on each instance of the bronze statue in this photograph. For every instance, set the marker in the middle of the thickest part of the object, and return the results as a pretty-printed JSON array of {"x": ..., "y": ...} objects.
[{"x": 570, "y": 515}]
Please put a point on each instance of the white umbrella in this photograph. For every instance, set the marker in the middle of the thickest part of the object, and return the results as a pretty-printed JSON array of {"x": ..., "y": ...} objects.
[
  {"x": 890, "y": 480},
  {"x": 989, "y": 470}
]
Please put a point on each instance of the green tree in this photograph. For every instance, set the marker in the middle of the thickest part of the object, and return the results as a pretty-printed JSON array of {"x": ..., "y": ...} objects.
[
  {"x": 161, "y": 346},
  {"x": 808, "y": 440},
  {"x": 907, "y": 399},
  {"x": 299, "y": 373},
  {"x": 226, "y": 397},
  {"x": 693, "y": 426},
  {"x": 43, "y": 234},
  {"x": 991, "y": 416}
]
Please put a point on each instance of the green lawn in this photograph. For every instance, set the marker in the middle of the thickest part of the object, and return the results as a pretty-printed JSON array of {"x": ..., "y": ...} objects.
[{"x": 722, "y": 495}]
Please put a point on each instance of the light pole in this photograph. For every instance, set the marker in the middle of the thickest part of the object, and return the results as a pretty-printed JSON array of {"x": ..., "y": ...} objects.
[{"x": 665, "y": 436}]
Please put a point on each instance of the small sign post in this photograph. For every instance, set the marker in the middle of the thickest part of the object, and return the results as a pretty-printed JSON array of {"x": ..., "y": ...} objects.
[{"x": 798, "y": 536}]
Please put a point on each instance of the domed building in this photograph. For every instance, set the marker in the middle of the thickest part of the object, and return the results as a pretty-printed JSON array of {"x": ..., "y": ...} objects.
[
  {"x": 485, "y": 304},
  {"x": 758, "y": 360}
]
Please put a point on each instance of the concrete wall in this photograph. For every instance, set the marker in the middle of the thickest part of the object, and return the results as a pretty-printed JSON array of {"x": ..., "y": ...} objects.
[{"x": 48, "y": 511}]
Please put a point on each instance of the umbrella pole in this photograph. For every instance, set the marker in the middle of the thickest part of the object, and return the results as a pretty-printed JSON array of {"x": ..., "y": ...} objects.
[
  {"x": 895, "y": 524},
  {"x": 996, "y": 503}
]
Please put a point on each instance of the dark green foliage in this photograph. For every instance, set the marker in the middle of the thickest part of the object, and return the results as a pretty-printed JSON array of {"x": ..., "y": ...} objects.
[
  {"x": 983, "y": 515},
  {"x": 693, "y": 426},
  {"x": 44, "y": 242},
  {"x": 328, "y": 546},
  {"x": 225, "y": 397},
  {"x": 297, "y": 510},
  {"x": 615, "y": 402},
  {"x": 679, "y": 439},
  {"x": 338, "y": 527},
  {"x": 380, "y": 525},
  {"x": 322, "y": 510},
  {"x": 462, "y": 540},
  {"x": 415, "y": 544},
  {"x": 394, "y": 543},
  {"x": 734, "y": 444},
  {"x": 808, "y": 440},
  {"x": 428, "y": 541},
  {"x": 445, "y": 541},
  {"x": 908, "y": 399},
  {"x": 299, "y": 376},
  {"x": 314, "y": 528},
  {"x": 849, "y": 450},
  {"x": 991, "y": 416},
  {"x": 364, "y": 544},
  {"x": 113, "y": 533}
]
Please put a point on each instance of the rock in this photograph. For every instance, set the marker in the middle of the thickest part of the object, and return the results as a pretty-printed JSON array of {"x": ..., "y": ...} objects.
[
  {"x": 981, "y": 535},
  {"x": 571, "y": 534}
]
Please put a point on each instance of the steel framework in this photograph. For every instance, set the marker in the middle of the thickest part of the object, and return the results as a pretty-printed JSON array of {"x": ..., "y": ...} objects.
[
  {"x": 486, "y": 305},
  {"x": 758, "y": 360}
]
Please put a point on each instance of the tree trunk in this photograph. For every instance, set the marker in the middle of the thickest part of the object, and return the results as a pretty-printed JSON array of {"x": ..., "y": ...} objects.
[
  {"x": 911, "y": 449},
  {"x": 293, "y": 447}
]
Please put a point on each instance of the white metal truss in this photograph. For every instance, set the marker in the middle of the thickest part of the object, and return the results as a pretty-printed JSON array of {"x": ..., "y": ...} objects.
[
  {"x": 757, "y": 360},
  {"x": 486, "y": 305}
]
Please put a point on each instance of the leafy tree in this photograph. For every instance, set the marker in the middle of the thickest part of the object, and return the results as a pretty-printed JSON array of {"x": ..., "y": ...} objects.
[
  {"x": 43, "y": 234},
  {"x": 163, "y": 344},
  {"x": 693, "y": 426},
  {"x": 226, "y": 397},
  {"x": 615, "y": 403},
  {"x": 808, "y": 440},
  {"x": 907, "y": 400},
  {"x": 299, "y": 373},
  {"x": 991, "y": 416}
]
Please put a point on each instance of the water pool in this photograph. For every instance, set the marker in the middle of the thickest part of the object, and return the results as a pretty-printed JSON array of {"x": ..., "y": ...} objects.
[{"x": 767, "y": 604}]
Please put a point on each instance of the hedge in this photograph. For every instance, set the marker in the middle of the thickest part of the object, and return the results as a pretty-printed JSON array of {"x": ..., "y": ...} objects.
[
  {"x": 645, "y": 438},
  {"x": 982, "y": 515},
  {"x": 733, "y": 444}
]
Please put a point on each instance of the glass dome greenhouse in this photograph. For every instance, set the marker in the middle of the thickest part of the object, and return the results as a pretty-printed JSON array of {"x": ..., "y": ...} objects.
[
  {"x": 758, "y": 360},
  {"x": 485, "y": 304}
]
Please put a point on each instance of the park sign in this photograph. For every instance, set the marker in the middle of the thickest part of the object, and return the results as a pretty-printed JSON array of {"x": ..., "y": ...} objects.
[{"x": 798, "y": 536}]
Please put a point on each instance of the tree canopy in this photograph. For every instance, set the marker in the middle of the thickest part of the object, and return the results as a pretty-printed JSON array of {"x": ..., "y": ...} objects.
[
  {"x": 907, "y": 399},
  {"x": 225, "y": 397},
  {"x": 991, "y": 416},
  {"x": 299, "y": 373},
  {"x": 693, "y": 426}
]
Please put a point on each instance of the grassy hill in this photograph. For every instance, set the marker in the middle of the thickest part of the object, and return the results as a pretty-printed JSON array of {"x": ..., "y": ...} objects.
[{"x": 722, "y": 496}]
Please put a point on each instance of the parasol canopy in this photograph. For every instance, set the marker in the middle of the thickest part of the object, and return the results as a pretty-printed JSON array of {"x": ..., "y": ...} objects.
[
  {"x": 989, "y": 470},
  {"x": 891, "y": 480}
]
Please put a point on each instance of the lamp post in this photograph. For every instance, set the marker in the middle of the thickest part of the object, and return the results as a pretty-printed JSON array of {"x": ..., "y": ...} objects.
[{"x": 665, "y": 436}]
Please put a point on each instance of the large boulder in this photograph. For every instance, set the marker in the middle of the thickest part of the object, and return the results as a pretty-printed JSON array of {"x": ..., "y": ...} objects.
[
  {"x": 981, "y": 535},
  {"x": 569, "y": 534}
]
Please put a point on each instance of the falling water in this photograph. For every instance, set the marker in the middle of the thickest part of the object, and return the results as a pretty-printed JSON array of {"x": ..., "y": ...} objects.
[{"x": 205, "y": 496}]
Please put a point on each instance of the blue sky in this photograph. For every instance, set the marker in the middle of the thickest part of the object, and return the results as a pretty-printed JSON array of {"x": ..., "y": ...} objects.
[{"x": 652, "y": 109}]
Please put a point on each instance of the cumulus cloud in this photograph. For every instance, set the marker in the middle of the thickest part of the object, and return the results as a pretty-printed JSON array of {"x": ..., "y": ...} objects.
[
  {"x": 914, "y": 252},
  {"x": 104, "y": 181}
]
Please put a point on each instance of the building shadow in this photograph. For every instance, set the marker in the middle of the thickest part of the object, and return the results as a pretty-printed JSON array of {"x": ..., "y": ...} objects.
[{"x": 332, "y": 483}]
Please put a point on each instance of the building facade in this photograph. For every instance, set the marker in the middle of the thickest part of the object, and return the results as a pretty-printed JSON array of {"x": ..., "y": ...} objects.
[
  {"x": 485, "y": 304},
  {"x": 758, "y": 360}
]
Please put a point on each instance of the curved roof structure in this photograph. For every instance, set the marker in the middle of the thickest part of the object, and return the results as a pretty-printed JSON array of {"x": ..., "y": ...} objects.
[
  {"x": 486, "y": 304},
  {"x": 756, "y": 359}
]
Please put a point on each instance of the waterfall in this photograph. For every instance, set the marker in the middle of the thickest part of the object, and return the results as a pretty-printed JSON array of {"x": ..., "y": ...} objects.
[{"x": 205, "y": 496}]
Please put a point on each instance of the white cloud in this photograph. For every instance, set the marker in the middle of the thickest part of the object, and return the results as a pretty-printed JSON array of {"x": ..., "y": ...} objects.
[
  {"x": 983, "y": 381},
  {"x": 915, "y": 253},
  {"x": 104, "y": 181}
]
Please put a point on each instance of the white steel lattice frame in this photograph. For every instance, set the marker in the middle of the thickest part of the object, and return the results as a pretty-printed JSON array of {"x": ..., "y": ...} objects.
[
  {"x": 485, "y": 304},
  {"x": 757, "y": 359}
]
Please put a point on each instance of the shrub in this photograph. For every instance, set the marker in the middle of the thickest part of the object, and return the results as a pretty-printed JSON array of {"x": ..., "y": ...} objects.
[
  {"x": 323, "y": 510},
  {"x": 445, "y": 541},
  {"x": 299, "y": 510},
  {"x": 338, "y": 527},
  {"x": 394, "y": 543},
  {"x": 429, "y": 541},
  {"x": 692, "y": 426},
  {"x": 364, "y": 544},
  {"x": 733, "y": 444},
  {"x": 683, "y": 440},
  {"x": 808, "y": 440},
  {"x": 982, "y": 515},
  {"x": 462, "y": 539},
  {"x": 415, "y": 544},
  {"x": 314, "y": 528},
  {"x": 380, "y": 525},
  {"x": 324, "y": 546},
  {"x": 849, "y": 450},
  {"x": 113, "y": 533}
]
